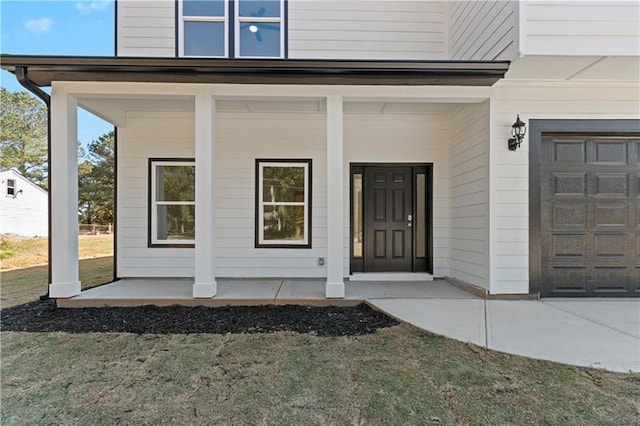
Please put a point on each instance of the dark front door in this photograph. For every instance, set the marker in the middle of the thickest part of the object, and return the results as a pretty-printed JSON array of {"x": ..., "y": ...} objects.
[{"x": 388, "y": 207}]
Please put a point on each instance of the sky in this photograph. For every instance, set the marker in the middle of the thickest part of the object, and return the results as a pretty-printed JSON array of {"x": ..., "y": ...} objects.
[{"x": 58, "y": 27}]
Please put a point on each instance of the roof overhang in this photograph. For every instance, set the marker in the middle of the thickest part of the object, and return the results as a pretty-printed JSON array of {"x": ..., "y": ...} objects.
[{"x": 43, "y": 70}]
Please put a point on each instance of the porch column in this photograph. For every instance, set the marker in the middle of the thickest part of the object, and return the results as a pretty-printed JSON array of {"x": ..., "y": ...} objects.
[
  {"x": 205, "y": 149},
  {"x": 335, "y": 212},
  {"x": 63, "y": 190}
]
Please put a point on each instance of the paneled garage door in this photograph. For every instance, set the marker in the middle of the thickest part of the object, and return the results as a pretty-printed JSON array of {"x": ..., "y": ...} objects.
[{"x": 590, "y": 215}]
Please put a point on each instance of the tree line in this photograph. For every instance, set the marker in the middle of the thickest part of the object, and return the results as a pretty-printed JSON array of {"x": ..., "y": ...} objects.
[{"x": 23, "y": 147}]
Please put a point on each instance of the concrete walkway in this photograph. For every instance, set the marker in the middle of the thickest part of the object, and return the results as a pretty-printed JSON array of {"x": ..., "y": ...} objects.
[{"x": 600, "y": 333}]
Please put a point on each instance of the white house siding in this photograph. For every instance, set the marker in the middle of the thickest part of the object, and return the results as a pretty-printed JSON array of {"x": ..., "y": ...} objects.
[
  {"x": 367, "y": 29},
  {"x": 148, "y": 135},
  {"x": 26, "y": 212},
  {"x": 509, "y": 170},
  {"x": 269, "y": 135},
  {"x": 242, "y": 138},
  {"x": 580, "y": 27},
  {"x": 469, "y": 194},
  {"x": 146, "y": 28},
  {"x": 411, "y": 138},
  {"x": 483, "y": 30},
  {"x": 374, "y": 137}
]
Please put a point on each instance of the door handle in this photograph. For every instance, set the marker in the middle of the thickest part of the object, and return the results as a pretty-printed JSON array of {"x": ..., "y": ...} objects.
[{"x": 409, "y": 218}]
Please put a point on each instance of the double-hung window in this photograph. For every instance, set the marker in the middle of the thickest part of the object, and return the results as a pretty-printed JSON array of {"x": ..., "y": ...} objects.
[
  {"x": 11, "y": 187},
  {"x": 232, "y": 28},
  {"x": 283, "y": 203},
  {"x": 204, "y": 28},
  {"x": 172, "y": 202}
]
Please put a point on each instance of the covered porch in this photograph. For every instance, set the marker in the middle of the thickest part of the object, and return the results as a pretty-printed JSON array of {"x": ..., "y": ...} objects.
[{"x": 431, "y": 118}]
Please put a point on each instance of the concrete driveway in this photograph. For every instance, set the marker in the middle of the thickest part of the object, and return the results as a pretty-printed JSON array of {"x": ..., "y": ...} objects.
[{"x": 601, "y": 333}]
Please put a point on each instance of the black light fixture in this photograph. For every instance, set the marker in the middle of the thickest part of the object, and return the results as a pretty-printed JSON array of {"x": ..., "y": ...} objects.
[{"x": 518, "y": 130}]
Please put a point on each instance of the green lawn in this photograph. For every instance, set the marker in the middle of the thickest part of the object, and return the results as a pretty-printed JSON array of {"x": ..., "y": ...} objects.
[
  {"x": 397, "y": 375},
  {"x": 25, "y": 285},
  {"x": 25, "y": 253}
]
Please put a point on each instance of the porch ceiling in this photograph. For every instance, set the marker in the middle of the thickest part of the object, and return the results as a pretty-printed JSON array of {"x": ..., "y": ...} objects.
[{"x": 114, "y": 109}]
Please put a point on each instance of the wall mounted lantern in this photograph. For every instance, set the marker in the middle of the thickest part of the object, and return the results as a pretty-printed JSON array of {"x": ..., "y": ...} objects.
[{"x": 518, "y": 130}]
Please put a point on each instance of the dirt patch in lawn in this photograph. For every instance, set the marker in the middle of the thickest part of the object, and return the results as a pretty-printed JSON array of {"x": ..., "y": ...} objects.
[{"x": 321, "y": 321}]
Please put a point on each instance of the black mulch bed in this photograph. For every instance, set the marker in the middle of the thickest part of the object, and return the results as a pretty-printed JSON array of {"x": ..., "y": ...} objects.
[{"x": 321, "y": 321}]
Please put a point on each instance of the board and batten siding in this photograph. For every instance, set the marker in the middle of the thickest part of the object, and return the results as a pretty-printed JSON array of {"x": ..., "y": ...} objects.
[
  {"x": 146, "y": 28},
  {"x": 580, "y": 27},
  {"x": 367, "y": 29},
  {"x": 509, "y": 170},
  {"x": 483, "y": 30},
  {"x": 469, "y": 168},
  {"x": 404, "y": 138}
]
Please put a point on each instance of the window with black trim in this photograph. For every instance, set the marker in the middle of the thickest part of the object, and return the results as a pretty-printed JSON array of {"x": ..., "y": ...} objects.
[
  {"x": 172, "y": 202},
  {"x": 283, "y": 203},
  {"x": 232, "y": 28},
  {"x": 11, "y": 187}
]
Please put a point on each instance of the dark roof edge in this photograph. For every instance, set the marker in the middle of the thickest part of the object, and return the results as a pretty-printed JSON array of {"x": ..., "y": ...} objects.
[
  {"x": 46, "y": 69},
  {"x": 8, "y": 62}
]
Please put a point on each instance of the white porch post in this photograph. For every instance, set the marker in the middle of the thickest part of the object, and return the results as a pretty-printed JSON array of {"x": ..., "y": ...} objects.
[
  {"x": 205, "y": 285},
  {"x": 63, "y": 190},
  {"x": 335, "y": 213}
]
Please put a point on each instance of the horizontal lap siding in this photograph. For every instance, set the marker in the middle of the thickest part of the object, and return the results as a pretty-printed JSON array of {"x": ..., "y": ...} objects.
[
  {"x": 367, "y": 29},
  {"x": 146, "y": 28},
  {"x": 581, "y": 28},
  {"x": 269, "y": 135},
  {"x": 483, "y": 30},
  {"x": 510, "y": 170},
  {"x": 148, "y": 135},
  {"x": 243, "y": 137},
  {"x": 470, "y": 194},
  {"x": 409, "y": 138}
]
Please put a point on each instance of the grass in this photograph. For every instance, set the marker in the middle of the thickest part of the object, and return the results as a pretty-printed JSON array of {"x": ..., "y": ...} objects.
[
  {"x": 33, "y": 251},
  {"x": 398, "y": 375},
  {"x": 26, "y": 285}
]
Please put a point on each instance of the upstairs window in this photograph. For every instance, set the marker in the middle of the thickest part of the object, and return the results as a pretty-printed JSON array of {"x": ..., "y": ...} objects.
[
  {"x": 11, "y": 187},
  {"x": 205, "y": 28},
  {"x": 238, "y": 28}
]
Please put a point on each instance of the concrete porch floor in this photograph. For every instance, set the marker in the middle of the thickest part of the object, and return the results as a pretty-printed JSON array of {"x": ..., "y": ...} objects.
[{"x": 164, "y": 292}]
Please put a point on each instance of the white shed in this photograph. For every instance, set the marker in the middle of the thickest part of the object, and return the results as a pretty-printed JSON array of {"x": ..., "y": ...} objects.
[{"x": 23, "y": 206}]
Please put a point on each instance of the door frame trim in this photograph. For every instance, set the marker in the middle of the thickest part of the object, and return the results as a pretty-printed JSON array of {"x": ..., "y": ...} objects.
[
  {"x": 429, "y": 212},
  {"x": 622, "y": 127}
]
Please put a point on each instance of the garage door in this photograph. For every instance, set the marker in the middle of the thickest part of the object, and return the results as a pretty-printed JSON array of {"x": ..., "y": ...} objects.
[{"x": 590, "y": 215}]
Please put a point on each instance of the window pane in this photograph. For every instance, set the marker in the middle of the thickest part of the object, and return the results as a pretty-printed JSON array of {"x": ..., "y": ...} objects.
[
  {"x": 175, "y": 183},
  {"x": 282, "y": 184},
  {"x": 421, "y": 216},
  {"x": 260, "y": 8},
  {"x": 259, "y": 39},
  {"x": 204, "y": 39},
  {"x": 357, "y": 215},
  {"x": 203, "y": 7},
  {"x": 176, "y": 222},
  {"x": 283, "y": 223}
]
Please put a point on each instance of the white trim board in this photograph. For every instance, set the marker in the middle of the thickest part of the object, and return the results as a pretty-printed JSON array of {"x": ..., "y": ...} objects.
[{"x": 391, "y": 276}]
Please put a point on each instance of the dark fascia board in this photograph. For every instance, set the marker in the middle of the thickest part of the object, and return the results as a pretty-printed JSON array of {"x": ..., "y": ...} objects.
[{"x": 45, "y": 69}]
